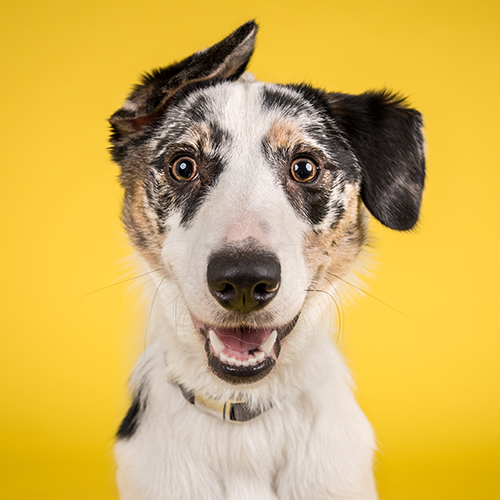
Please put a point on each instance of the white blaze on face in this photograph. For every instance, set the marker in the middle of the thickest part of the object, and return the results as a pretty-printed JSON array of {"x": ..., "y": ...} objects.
[{"x": 247, "y": 201}]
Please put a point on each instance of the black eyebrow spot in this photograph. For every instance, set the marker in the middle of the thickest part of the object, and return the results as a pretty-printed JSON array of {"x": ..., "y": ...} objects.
[
  {"x": 207, "y": 148},
  {"x": 218, "y": 135},
  {"x": 198, "y": 110},
  {"x": 278, "y": 98}
]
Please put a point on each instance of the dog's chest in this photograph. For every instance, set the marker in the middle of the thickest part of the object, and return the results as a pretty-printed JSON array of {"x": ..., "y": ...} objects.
[{"x": 291, "y": 452}]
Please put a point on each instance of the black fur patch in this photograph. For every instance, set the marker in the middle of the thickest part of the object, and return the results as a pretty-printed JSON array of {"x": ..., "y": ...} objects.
[
  {"x": 132, "y": 419},
  {"x": 226, "y": 60},
  {"x": 315, "y": 203},
  {"x": 192, "y": 199},
  {"x": 337, "y": 165},
  {"x": 275, "y": 98},
  {"x": 310, "y": 200},
  {"x": 188, "y": 196},
  {"x": 325, "y": 131},
  {"x": 387, "y": 140},
  {"x": 338, "y": 210},
  {"x": 198, "y": 110},
  {"x": 373, "y": 137}
]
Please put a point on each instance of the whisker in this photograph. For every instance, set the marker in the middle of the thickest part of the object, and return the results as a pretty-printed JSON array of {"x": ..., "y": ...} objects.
[
  {"x": 180, "y": 311},
  {"x": 151, "y": 309},
  {"x": 310, "y": 328},
  {"x": 340, "y": 310},
  {"x": 370, "y": 295},
  {"x": 339, "y": 314},
  {"x": 117, "y": 283}
]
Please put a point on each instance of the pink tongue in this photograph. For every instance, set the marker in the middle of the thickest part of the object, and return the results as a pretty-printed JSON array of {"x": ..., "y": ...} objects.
[{"x": 242, "y": 339}]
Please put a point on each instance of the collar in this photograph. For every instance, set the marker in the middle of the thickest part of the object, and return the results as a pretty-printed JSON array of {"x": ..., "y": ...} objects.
[{"x": 232, "y": 411}]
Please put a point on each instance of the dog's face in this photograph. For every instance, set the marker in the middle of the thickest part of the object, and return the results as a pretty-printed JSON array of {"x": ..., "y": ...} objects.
[{"x": 247, "y": 197}]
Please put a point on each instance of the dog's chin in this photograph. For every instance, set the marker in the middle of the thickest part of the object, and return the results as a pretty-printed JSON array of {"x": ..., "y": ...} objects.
[{"x": 243, "y": 354}]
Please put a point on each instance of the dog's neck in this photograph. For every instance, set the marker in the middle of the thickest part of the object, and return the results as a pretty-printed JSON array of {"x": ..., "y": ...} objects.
[{"x": 231, "y": 411}]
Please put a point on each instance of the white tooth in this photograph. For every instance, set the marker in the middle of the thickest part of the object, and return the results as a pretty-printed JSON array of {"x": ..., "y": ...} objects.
[
  {"x": 269, "y": 343},
  {"x": 231, "y": 361},
  {"x": 245, "y": 363},
  {"x": 216, "y": 342},
  {"x": 238, "y": 362},
  {"x": 260, "y": 357},
  {"x": 223, "y": 357},
  {"x": 252, "y": 361}
]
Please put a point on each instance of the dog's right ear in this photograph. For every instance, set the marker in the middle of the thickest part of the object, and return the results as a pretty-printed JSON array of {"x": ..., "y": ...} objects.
[{"x": 226, "y": 60}]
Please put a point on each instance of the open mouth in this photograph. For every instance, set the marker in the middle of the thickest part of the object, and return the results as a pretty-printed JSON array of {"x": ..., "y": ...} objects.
[{"x": 243, "y": 354}]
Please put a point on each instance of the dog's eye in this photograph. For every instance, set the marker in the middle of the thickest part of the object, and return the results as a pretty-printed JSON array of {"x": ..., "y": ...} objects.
[
  {"x": 303, "y": 170},
  {"x": 184, "y": 169}
]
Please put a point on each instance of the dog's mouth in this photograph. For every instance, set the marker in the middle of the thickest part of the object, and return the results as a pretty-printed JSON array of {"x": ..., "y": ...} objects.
[{"x": 243, "y": 354}]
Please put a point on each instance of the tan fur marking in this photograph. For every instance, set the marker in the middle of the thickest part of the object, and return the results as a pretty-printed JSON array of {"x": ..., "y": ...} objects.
[
  {"x": 201, "y": 135},
  {"x": 283, "y": 134},
  {"x": 141, "y": 227},
  {"x": 347, "y": 238},
  {"x": 199, "y": 132}
]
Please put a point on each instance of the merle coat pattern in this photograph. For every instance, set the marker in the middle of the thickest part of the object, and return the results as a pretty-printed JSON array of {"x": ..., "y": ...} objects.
[{"x": 246, "y": 202}]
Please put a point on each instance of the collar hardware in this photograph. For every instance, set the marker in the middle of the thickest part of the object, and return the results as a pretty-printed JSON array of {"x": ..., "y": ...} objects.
[{"x": 236, "y": 412}]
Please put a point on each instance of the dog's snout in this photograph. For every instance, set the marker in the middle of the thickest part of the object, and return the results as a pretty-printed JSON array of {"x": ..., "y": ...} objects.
[{"x": 244, "y": 281}]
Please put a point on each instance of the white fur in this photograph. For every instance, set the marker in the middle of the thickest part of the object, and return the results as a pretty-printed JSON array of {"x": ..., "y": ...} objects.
[{"x": 315, "y": 443}]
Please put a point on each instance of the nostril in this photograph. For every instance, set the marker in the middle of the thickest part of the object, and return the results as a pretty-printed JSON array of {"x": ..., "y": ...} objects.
[
  {"x": 221, "y": 287},
  {"x": 264, "y": 293},
  {"x": 223, "y": 292},
  {"x": 264, "y": 289}
]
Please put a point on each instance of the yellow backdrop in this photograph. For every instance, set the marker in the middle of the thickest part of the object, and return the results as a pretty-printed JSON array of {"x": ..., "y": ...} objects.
[{"x": 428, "y": 374}]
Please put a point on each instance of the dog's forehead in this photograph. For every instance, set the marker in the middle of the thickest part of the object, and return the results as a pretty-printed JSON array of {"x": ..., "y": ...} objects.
[{"x": 244, "y": 112}]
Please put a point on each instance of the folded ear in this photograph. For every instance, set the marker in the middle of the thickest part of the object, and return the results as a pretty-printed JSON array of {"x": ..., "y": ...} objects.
[
  {"x": 386, "y": 137},
  {"x": 226, "y": 60}
]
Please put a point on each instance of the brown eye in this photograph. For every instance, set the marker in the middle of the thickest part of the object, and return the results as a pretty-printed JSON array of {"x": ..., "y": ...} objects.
[
  {"x": 184, "y": 169},
  {"x": 303, "y": 170}
]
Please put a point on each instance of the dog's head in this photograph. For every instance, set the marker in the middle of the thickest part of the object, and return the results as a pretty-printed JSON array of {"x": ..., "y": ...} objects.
[{"x": 246, "y": 196}]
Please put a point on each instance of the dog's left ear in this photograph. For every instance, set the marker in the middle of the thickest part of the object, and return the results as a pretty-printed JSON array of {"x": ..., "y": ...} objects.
[
  {"x": 226, "y": 60},
  {"x": 386, "y": 137}
]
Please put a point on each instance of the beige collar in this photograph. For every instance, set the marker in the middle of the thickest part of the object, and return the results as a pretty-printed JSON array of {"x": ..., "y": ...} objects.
[{"x": 232, "y": 411}]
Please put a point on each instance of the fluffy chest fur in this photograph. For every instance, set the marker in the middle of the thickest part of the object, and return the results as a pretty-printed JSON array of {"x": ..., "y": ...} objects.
[
  {"x": 313, "y": 444},
  {"x": 246, "y": 202}
]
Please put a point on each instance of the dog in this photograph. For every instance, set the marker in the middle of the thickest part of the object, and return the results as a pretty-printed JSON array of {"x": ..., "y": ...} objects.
[{"x": 248, "y": 204}]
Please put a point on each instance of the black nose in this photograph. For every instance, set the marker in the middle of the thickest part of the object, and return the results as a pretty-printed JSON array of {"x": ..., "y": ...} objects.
[{"x": 244, "y": 280}]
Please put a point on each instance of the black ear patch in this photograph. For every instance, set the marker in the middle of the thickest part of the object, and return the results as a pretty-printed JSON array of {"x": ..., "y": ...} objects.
[
  {"x": 386, "y": 137},
  {"x": 226, "y": 60}
]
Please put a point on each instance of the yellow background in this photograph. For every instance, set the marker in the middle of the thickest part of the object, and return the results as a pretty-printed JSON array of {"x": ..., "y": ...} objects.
[{"x": 428, "y": 375}]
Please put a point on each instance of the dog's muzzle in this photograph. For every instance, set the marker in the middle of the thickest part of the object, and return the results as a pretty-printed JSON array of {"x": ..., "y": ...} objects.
[{"x": 243, "y": 278}]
